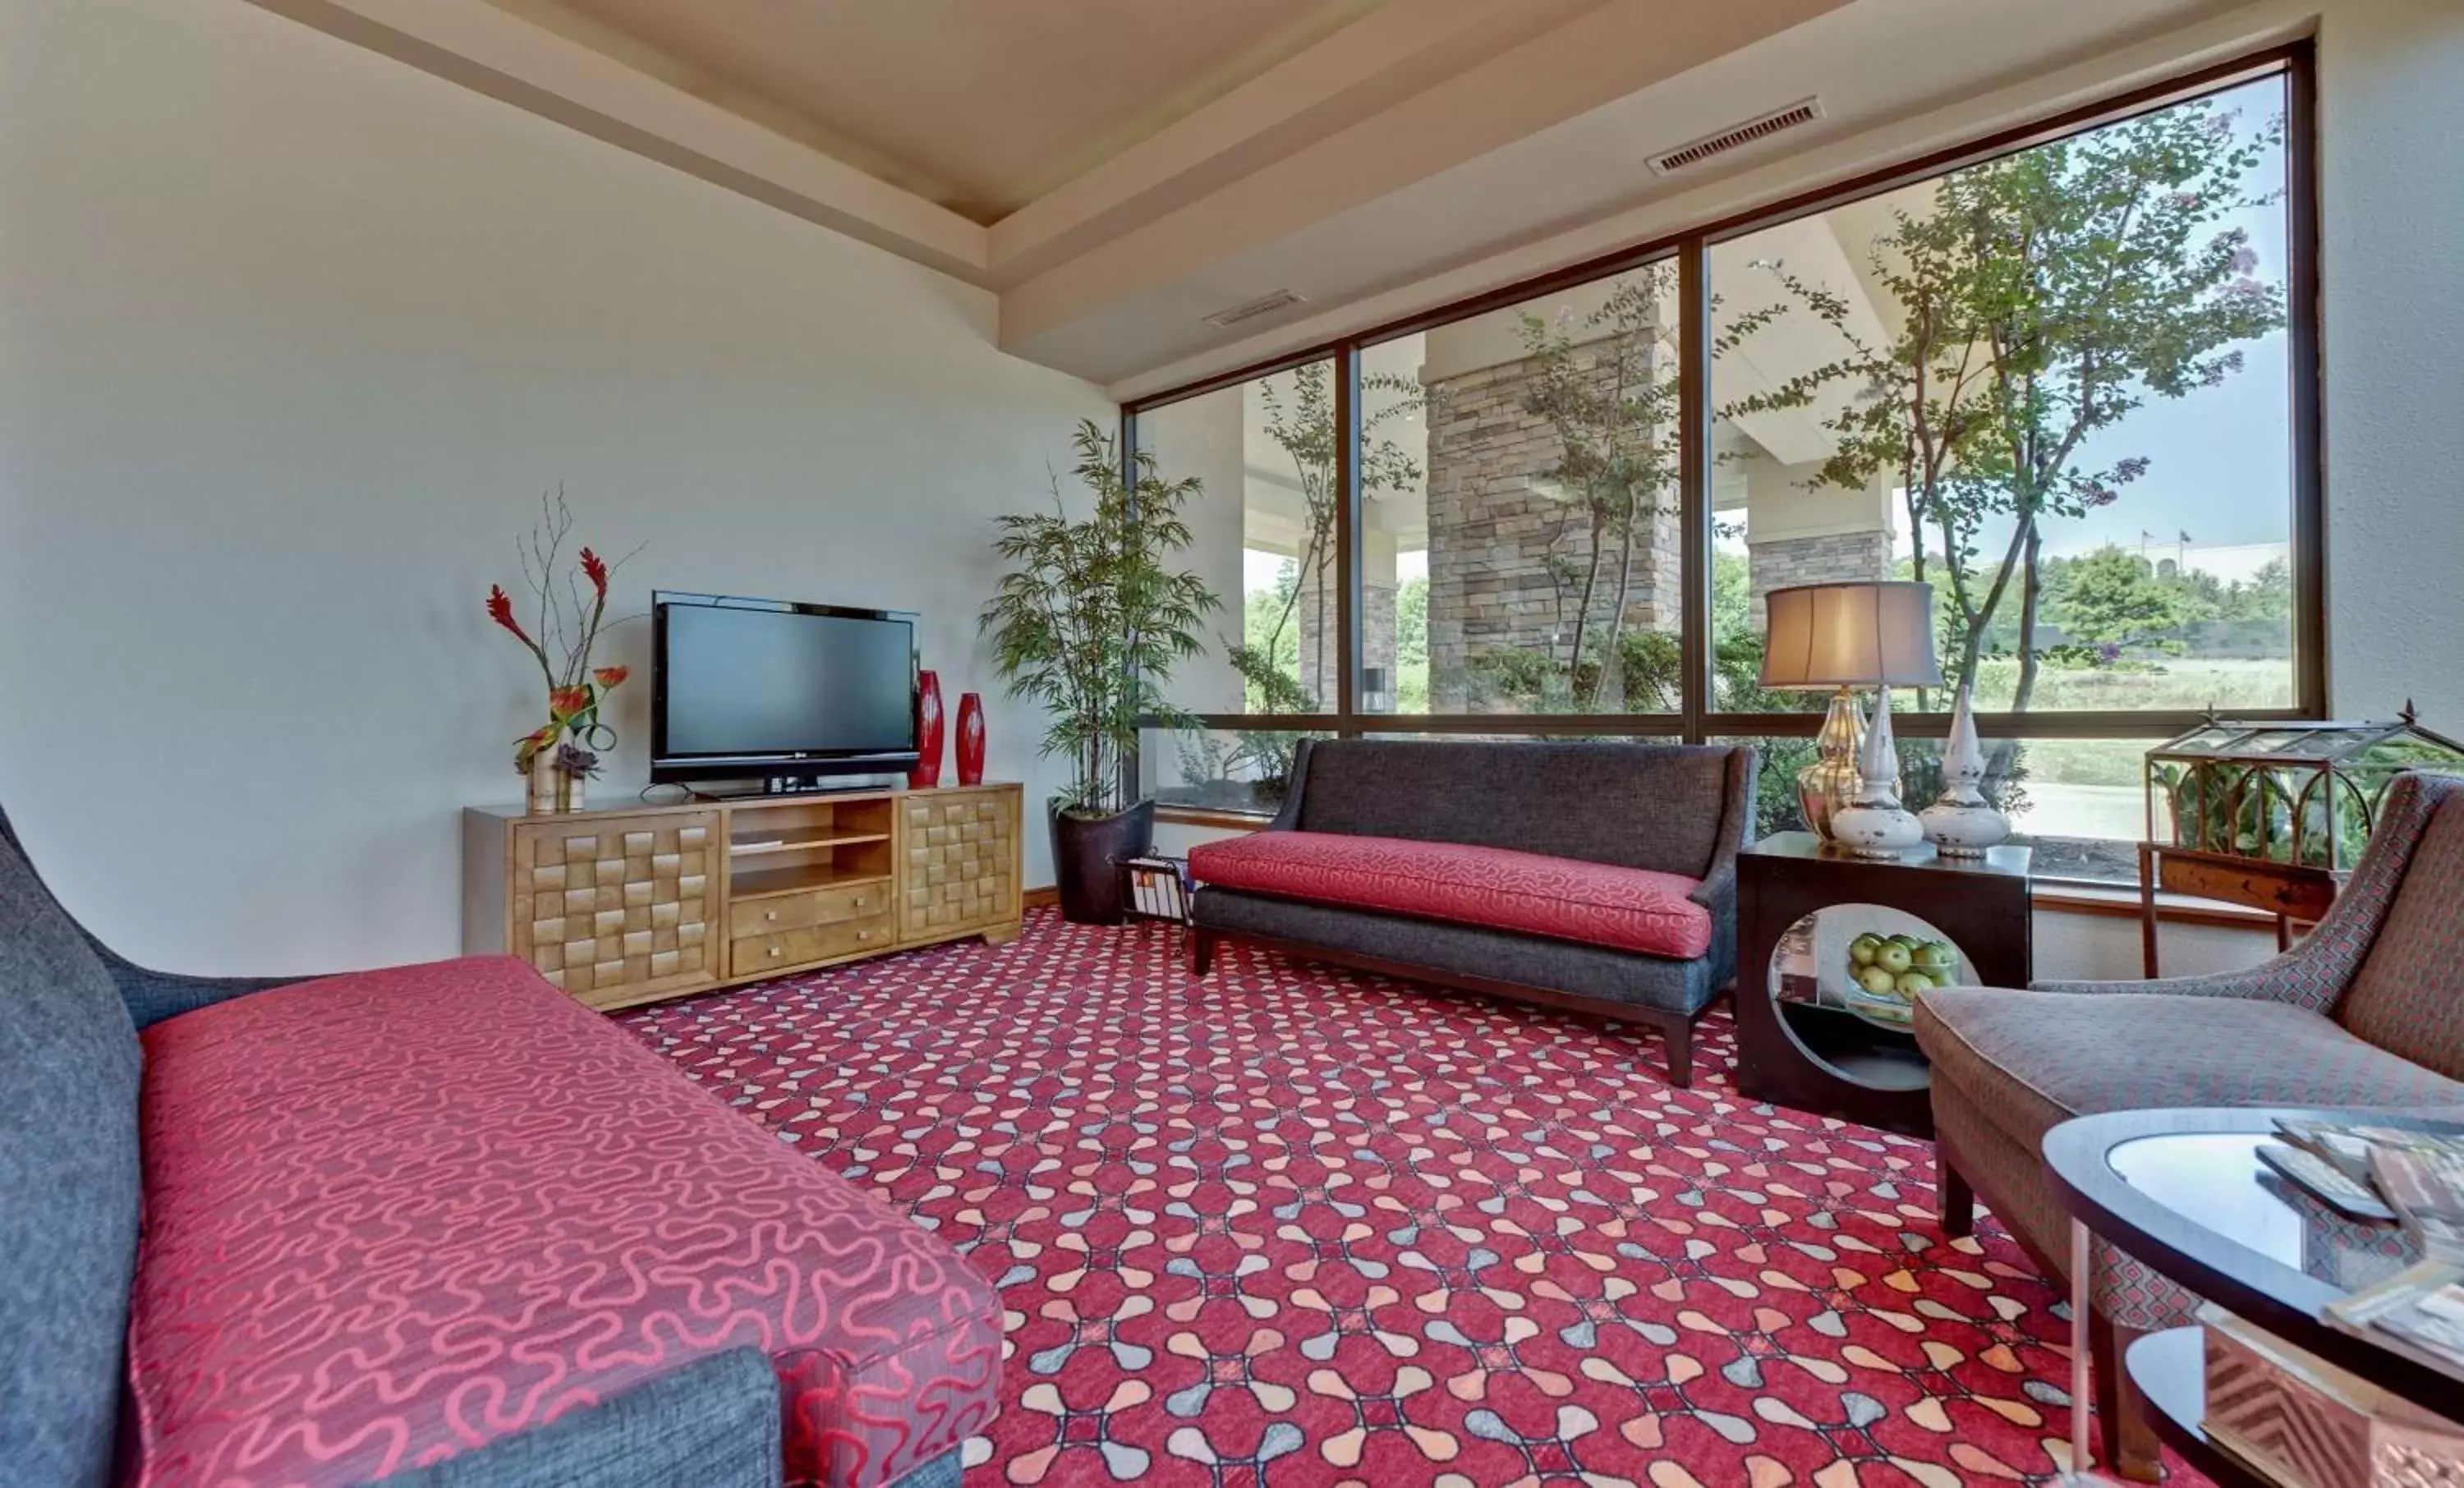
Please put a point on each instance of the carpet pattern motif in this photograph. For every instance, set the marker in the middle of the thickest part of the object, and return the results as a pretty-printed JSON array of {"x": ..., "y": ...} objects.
[{"x": 1292, "y": 1225}]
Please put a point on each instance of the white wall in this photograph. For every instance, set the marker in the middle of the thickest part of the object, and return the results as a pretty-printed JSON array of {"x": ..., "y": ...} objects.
[
  {"x": 2391, "y": 104},
  {"x": 292, "y": 336}
]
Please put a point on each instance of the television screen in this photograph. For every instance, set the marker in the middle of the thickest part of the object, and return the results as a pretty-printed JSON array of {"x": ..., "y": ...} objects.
[{"x": 753, "y": 682}]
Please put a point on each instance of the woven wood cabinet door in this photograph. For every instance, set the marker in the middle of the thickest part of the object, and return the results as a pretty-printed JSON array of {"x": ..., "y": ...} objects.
[
  {"x": 961, "y": 873},
  {"x": 618, "y": 909}
]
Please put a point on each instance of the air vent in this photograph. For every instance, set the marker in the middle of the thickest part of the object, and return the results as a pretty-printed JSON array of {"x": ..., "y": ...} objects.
[
  {"x": 1686, "y": 156},
  {"x": 1262, "y": 305}
]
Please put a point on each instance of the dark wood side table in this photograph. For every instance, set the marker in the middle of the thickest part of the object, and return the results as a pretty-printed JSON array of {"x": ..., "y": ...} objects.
[
  {"x": 1804, "y": 1039},
  {"x": 2185, "y": 1193}
]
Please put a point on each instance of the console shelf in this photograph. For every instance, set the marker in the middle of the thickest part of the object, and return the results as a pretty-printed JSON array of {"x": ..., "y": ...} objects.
[
  {"x": 759, "y": 844},
  {"x": 642, "y": 904}
]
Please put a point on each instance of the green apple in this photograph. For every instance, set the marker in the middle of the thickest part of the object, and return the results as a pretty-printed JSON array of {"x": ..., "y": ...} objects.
[
  {"x": 1913, "y": 982},
  {"x": 1894, "y": 957},
  {"x": 1877, "y": 981},
  {"x": 1861, "y": 950},
  {"x": 1935, "y": 956}
]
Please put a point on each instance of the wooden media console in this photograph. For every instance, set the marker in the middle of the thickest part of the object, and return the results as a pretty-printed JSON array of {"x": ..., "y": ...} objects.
[{"x": 636, "y": 905}]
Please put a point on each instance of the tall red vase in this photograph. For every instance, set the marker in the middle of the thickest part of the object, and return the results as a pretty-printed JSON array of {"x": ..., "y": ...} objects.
[
  {"x": 971, "y": 739},
  {"x": 928, "y": 730}
]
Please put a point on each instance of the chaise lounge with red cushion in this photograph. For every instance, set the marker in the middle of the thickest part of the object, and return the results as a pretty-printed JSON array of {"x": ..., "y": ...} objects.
[
  {"x": 437, "y": 1226},
  {"x": 1598, "y": 877}
]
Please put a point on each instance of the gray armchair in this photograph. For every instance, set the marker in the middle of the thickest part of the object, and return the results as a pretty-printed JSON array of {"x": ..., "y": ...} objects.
[{"x": 2367, "y": 1011}]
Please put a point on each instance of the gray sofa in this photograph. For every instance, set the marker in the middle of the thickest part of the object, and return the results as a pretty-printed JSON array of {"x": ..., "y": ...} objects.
[
  {"x": 84, "y": 1174},
  {"x": 1629, "y": 823}
]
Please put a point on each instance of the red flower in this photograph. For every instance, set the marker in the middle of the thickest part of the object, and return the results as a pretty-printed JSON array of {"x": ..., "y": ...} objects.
[
  {"x": 566, "y": 702},
  {"x": 500, "y": 609},
  {"x": 610, "y": 677},
  {"x": 597, "y": 569}
]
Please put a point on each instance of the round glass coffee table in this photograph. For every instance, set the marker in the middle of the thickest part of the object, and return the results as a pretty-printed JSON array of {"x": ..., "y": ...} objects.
[{"x": 2184, "y": 1191}]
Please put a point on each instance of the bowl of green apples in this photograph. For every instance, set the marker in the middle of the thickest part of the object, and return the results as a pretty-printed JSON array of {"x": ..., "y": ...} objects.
[{"x": 1877, "y": 962}]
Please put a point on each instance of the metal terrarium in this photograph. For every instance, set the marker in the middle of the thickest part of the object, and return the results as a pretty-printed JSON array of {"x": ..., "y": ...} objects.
[{"x": 2305, "y": 795}]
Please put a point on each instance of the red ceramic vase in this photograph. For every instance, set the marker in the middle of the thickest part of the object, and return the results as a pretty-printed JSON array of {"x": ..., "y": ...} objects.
[
  {"x": 971, "y": 739},
  {"x": 928, "y": 732}
]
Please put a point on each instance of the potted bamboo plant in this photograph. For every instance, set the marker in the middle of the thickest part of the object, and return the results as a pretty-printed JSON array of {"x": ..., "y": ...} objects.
[{"x": 1088, "y": 621}]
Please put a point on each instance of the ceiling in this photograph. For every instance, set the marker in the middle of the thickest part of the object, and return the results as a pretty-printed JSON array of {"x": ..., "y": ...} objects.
[
  {"x": 979, "y": 105},
  {"x": 1116, "y": 171}
]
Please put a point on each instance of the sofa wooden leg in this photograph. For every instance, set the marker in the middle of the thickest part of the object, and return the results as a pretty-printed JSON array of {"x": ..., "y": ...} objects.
[
  {"x": 1956, "y": 1200},
  {"x": 1680, "y": 1037},
  {"x": 1202, "y": 951},
  {"x": 2126, "y": 1439}
]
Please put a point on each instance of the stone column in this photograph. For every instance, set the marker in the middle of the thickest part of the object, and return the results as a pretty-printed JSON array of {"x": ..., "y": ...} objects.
[
  {"x": 1508, "y": 547},
  {"x": 1798, "y": 532}
]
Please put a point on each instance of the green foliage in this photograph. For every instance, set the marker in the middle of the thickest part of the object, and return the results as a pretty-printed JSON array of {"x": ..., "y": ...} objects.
[
  {"x": 1302, "y": 425},
  {"x": 1091, "y": 616},
  {"x": 1613, "y": 403},
  {"x": 2113, "y": 598},
  {"x": 1272, "y": 646},
  {"x": 1411, "y": 621},
  {"x": 2048, "y": 295}
]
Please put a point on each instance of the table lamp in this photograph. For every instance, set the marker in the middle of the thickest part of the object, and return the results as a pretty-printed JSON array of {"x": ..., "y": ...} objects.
[{"x": 1845, "y": 636}]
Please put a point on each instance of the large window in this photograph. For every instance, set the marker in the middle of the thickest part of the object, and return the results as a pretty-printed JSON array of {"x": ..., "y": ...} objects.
[
  {"x": 1521, "y": 546},
  {"x": 2066, "y": 379}
]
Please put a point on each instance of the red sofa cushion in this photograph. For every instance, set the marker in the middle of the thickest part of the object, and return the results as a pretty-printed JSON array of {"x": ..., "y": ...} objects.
[
  {"x": 395, "y": 1215},
  {"x": 1564, "y": 898}
]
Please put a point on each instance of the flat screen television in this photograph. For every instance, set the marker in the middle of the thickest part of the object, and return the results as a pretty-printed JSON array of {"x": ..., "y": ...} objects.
[{"x": 781, "y": 692}]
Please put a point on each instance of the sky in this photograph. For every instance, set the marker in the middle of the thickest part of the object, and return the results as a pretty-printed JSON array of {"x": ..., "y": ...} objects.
[{"x": 2221, "y": 458}]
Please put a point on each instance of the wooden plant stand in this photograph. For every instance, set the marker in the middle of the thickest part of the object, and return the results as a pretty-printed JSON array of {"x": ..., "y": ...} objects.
[{"x": 2292, "y": 894}]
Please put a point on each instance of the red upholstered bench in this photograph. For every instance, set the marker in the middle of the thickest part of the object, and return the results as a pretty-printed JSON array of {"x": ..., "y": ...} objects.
[
  {"x": 1562, "y": 898},
  {"x": 1594, "y": 876},
  {"x": 396, "y": 1216}
]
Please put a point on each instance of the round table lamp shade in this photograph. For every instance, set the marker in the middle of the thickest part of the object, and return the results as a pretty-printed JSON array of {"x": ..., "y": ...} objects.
[
  {"x": 1841, "y": 636},
  {"x": 1850, "y": 635}
]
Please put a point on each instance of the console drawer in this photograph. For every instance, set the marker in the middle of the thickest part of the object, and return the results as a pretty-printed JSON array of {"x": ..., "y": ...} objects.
[
  {"x": 750, "y": 955},
  {"x": 782, "y": 912}
]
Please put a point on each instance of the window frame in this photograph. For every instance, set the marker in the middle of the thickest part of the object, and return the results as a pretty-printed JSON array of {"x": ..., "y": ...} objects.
[{"x": 1695, "y": 721}]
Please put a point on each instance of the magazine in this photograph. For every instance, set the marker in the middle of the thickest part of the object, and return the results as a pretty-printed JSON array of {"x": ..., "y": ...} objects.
[
  {"x": 2423, "y": 1182},
  {"x": 2418, "y": 1312},
  {"x": 2419, "y": 1176}
]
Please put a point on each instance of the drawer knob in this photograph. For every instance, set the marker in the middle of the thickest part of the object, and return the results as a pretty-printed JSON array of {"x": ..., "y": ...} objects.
[
  {"x": 863, "y": 935},
  {"x": 859, "y": 901},
  {"x": 769, "y": 914},
  {"x": 773, "y": 953}
]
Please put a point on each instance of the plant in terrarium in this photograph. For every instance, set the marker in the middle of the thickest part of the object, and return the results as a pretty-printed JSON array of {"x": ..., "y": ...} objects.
[{"x": 568, "y": 615}]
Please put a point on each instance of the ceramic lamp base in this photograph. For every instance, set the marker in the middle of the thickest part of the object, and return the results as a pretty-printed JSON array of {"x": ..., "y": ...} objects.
[
  {"x": 1878, "y": 832},
  {"x": 1961, "y": 830}
]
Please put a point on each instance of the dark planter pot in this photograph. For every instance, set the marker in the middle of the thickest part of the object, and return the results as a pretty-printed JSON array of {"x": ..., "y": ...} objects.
[{"x": 1086, "y": 855}]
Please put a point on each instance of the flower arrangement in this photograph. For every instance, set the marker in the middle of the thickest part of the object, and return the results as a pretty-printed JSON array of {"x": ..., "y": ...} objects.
[{"x": 557, "y": 756}]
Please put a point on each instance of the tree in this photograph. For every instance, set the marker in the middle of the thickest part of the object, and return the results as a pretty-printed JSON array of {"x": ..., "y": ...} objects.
[
  {"x": 1411, "y": 621},
  {"x": 2114, "y": 598},
  {"x": 1602, "y": 385},
  {"x": 1613, "y": 397},
  {"x": 1271, "y": 646},
  {"x": 1302, "y": 425},
  {"x": 2048, "y": 295},
  {"x": 2267, "y": 596}
]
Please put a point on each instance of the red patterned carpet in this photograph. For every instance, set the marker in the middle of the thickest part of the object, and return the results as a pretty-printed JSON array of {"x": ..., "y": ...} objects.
[{"x": 1289, "y": 1225}]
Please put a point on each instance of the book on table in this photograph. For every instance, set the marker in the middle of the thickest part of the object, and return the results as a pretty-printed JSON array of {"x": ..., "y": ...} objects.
[{"x": 2418, "y": 1312}]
